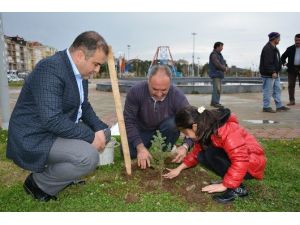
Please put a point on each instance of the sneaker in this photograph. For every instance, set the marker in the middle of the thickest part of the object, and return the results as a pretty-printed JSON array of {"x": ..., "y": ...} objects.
[
  {"x": 231, "y": 194},
  {"x": 282, "y": 109},
  {"x": 217, "y": 105},
  {"x": 269, "y": 110},
  {"x": 291, "y": 103}
]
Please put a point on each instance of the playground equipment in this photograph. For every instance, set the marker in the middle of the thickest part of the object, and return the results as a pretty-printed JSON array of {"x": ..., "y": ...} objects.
[{"x": 163, "y": 56}]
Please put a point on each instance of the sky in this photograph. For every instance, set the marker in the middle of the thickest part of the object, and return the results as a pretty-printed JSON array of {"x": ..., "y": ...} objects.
[{"x": 243, "y": 34}]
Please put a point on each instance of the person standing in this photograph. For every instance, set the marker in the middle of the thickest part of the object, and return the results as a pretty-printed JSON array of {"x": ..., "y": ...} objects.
[
  {"x": 292, "y": 53},
  {"x": 269, "y": 68},
  {"x": 217, "y": 67},
  {"x": 53, "y": 130}
]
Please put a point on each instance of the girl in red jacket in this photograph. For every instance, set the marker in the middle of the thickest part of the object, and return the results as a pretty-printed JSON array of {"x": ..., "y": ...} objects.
[{"x": 222, "y": 146}]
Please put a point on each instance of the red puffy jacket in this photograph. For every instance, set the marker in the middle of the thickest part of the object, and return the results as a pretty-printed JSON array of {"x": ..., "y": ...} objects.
[{"x": 244, "y": 152}]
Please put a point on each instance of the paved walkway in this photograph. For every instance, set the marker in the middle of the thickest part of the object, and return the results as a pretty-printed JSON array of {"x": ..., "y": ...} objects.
[{"x": 247, "y": 107}]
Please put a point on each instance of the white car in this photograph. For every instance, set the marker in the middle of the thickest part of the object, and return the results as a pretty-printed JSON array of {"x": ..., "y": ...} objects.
[{"x": 13, "y": 78}]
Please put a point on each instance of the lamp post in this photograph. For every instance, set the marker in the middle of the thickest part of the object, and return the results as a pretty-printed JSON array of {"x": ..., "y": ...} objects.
[
  {"x": 194, "y": 34},
  {"x": 198, "y": 66},
  {"x": 128, "y": 49},
  {"x": 4, "y": 103}
]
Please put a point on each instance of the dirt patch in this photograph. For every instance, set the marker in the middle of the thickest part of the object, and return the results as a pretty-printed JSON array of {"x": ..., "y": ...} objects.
[
  {"x": 10, "y": 174},
  {"x": 131, "y": 198},
  {"x": 187, "y": 185}
]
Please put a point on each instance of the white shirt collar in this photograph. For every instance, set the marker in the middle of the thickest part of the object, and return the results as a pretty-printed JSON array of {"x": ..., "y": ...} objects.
[{"x": 74, "y": 67}]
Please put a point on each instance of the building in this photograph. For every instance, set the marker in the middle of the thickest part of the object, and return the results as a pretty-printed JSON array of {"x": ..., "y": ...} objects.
[
  {"x": 16, "y": 53},
  {"x": 24, "y": 55}
]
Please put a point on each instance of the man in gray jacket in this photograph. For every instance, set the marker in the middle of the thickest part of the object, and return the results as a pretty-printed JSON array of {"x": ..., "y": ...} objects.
[{"x": 216, "y": 68}]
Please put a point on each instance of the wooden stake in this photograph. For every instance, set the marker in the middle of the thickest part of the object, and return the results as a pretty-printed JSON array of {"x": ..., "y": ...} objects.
[{"x": 119, "y": 110}]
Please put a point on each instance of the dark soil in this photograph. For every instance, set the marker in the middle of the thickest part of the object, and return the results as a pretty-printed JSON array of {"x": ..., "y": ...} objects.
[{"x": 187, "y": 185}]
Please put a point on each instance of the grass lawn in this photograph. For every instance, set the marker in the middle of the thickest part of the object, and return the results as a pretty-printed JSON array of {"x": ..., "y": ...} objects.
[
  {"x": 16, "y": 84},
  {"x": 108, "y": 189}
]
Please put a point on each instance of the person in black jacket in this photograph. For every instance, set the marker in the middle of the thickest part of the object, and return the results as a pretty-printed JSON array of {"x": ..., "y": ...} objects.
[
  {"x": 269, "y": 67},
  {"x": 292, "y": 53},
  {"x": 53, "y": 130}
]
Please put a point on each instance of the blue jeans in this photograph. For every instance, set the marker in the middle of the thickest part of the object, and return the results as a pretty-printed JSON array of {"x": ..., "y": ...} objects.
[
  {"x": 167, "y": 128},
  {"x": 217, "y": 89},
  {"x": 271, "y": 87}
]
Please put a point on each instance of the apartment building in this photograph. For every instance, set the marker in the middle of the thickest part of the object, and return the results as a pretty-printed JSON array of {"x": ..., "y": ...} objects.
[{"x": 24, "y": 55}]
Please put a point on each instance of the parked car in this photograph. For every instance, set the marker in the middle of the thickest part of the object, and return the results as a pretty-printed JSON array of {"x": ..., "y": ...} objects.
[
  {"x": 13, "y": 78},
  {"x": 23, "y": 75}
]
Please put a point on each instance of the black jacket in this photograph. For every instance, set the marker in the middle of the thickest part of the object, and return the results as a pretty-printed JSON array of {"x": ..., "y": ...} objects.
[
  {"x": 269, "y": 61},
  {"x": 46, "y": 109},
  {"x": 290, "y": 54}
]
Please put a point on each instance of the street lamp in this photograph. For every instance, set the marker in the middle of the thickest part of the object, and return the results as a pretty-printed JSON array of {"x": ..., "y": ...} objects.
[
  {"x": 4, "y": 99},
  {"x": 128, "y": 49},
  {"x": 194, "y": 34},
  {"x": 198, "y": 66}
]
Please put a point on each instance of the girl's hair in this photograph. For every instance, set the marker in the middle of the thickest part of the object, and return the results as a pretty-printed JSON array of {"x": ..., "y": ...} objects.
[{"x": 207, "y": 122}]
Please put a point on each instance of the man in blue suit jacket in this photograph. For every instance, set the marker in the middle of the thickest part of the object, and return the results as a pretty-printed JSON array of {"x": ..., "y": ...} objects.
[{"x": 54, "y": 131}]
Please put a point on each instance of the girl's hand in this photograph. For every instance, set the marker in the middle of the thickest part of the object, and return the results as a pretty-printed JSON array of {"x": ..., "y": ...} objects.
[
  {"x": 172, "y": 173},
  {"x": 214, "y": 188},
  {"x": 181, "y": 153}
]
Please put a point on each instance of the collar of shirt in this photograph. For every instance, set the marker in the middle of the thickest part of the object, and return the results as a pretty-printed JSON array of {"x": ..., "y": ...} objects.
[
  {"x": 74, "y": 67},
  {"x": 158, "y": 100},
  {"x": 79, "y": 84}
]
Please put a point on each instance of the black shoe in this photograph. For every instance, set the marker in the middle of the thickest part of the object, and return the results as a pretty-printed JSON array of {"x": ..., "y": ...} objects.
[
  {"x": 217, "y": 105},
  {"x": 31, "y": 188},
  {"x": 269, "y": 110},
  {"x": 282, "y": 109},
  {"x": 231, "y": 194},
  {"x": 291, "y": 103}
]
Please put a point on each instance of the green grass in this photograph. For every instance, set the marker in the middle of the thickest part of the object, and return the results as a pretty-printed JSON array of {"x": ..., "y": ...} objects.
[
  {"x": 107, "y": 189},
  {"x": 16, "y": 84}
]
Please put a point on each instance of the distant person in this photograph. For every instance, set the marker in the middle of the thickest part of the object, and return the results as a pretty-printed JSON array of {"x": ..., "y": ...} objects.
[
  {"x": 293, "y": 65},
  {"x": 269, "y": 68},
  {"x": 222, "y": 146},
  {"x": 216, "y": 69},
  {"x": 151, "y": 105},
  {"x": 54, "y": 131}
]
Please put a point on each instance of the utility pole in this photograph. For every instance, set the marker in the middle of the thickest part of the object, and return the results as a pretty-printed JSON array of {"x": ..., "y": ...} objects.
[
  {"x": 198, "y": 66},
  {"x": 4, "y": 102},
  {"x": 128, "y": 49},
  {"x": 193, "y": 72}
]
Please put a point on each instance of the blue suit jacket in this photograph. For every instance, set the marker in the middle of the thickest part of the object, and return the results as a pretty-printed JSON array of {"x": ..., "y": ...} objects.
[{"x": 46, "y": 109}]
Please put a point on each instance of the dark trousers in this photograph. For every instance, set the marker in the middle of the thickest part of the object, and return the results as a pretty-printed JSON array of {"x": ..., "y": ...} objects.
[
  {"x": 292, "y": 78},
  {"x": 216, "y": 160},
  {"x": 167, "y": 128}
]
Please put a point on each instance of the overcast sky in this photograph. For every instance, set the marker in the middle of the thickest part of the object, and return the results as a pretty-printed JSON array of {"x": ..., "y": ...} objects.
[{"x": 243, "y": 34}]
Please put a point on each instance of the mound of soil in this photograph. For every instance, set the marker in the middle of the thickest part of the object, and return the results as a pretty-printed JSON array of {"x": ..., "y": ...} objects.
[{"x": 187, "y": 185}]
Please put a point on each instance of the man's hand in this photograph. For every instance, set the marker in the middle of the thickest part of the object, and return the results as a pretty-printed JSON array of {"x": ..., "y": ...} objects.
[
  {"x": 143, "y": 156},
  {"x": 99, "y": 140},
  {"x": 214, "y": 188},
  {"x": 181, "y": 153}
]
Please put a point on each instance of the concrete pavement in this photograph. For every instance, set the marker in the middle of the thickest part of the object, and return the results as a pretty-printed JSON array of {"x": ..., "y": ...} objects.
[{"x": 247, "y": 107}]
